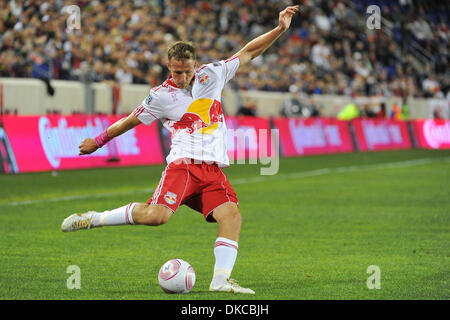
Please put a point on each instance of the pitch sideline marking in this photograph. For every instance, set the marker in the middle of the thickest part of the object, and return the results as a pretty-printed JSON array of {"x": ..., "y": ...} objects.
[
  {"x": 290, "y": 176},
  {"x": 77, "y": 197}
]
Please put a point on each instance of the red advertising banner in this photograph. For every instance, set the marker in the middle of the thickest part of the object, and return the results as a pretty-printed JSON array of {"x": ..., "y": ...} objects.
[
  {"x": 381, "y": 134},
  {"x": 432, "y": 134},
  {"x": 43, "y": 143},
  {"x": 310, "y": 136}
]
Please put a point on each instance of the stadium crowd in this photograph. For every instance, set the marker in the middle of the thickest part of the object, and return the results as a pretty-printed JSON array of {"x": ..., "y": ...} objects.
[{"x": 328, "y": 50}]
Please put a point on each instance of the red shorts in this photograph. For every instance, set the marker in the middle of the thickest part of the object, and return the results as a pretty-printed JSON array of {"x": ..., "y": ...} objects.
[{"x": 203, "y": 187}]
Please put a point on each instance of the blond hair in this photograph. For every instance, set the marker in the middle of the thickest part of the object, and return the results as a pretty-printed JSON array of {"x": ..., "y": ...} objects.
[{"x": 182, "y": 50}]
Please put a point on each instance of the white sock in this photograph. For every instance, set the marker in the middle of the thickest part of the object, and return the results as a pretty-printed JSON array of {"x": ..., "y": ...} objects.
[
  {"x": 115, "y": 217},
  {"x": 225, "y": 251}
]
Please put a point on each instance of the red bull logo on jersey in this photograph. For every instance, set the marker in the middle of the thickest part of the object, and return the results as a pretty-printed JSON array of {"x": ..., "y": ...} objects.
[
  {"x": 202, "y": 115},
  {"x": 170, "y": 197},
  {"x": 203, "y": 79}
]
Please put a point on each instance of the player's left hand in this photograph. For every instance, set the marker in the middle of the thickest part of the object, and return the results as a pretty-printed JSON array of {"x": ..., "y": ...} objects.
[
  {"x": 285, "y": 16},
  {"x": 87, "y": 146}
]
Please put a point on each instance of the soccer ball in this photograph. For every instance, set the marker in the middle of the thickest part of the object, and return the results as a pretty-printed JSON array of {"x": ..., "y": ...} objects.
[{"x": 176, "y": 276}]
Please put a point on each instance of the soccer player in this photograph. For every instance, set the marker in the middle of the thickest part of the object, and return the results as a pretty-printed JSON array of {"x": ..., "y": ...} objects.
[{"x": 189, "y": 105}]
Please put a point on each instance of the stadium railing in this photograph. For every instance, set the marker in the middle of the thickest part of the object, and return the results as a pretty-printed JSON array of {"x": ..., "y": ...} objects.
[{"x": 30, "y": 97}]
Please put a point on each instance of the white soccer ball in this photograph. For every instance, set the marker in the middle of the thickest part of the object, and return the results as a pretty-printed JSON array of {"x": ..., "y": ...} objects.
[{"x": 176, "y": 276}]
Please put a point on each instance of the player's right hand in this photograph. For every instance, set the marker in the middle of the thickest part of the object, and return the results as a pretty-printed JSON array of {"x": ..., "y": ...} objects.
[
  {"x": 87, "y": 146},
  {"x": 285, "y": 16}
]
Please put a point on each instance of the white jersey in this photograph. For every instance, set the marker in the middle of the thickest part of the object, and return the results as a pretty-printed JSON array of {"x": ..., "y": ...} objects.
[{"x": 193, "y": 115}]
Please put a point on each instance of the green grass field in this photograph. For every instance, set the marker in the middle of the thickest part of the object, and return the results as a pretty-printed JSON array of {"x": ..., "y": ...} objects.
[{"x": 309, "y": 232}]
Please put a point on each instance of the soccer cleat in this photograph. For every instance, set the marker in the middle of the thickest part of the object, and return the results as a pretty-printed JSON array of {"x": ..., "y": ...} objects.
[
  {"x": 231, "y": 286},
  {"x": 78, "y": 221}
]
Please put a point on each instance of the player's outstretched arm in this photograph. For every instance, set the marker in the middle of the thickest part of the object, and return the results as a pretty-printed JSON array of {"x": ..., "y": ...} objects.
[
  {"x": 260, "y": 44},
  {"x": 89, "y": 145}
]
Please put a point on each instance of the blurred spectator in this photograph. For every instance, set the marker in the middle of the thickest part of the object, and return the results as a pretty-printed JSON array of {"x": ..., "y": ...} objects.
[
  {"x": 381, "y": 114},
  {"x": 396, "y": 112},
  {"x": 320, "y": 54},
  {"x": 315, "y": 109},
  {"x": 437, "y": 114},
  {"x": 41, "y": 70},
  {"x": 405, "y": 112},
  {"x": 430, "y": 86},
  {"x": 248, "y": 109},
  {"x": 298, "y": 104},
  {"x": 367, "y": 111},
  {"x": 322, "y": 21},
  {"x": 292, "y": 106},
  {"x": 421, "y": 29}
]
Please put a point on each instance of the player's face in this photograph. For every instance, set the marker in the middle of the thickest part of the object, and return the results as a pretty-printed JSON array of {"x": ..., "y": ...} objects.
[{"x": 182, "y": 71}]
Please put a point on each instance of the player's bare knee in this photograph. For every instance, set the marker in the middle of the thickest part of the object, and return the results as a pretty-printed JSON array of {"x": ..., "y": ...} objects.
[
  {"x": 231, "y": 217},
  {"x": 236, "y": 218}
]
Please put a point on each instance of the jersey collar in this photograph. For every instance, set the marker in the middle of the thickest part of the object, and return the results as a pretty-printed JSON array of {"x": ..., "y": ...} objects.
[{"x": 171, "y": 83}]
